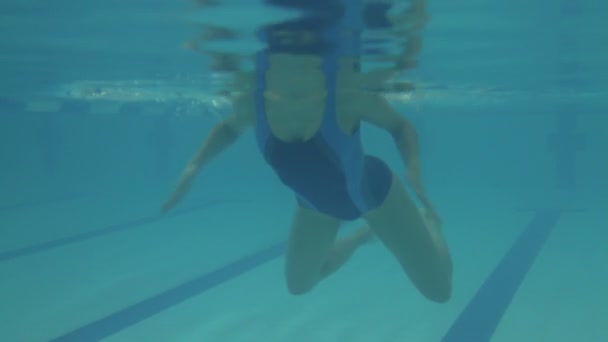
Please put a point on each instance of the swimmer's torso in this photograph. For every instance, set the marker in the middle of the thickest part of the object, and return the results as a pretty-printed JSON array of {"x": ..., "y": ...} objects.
[
  {"x": 295, "y": 99},
  {"x": 301, "y": 120},
  {"x": 308, "y": 133}
]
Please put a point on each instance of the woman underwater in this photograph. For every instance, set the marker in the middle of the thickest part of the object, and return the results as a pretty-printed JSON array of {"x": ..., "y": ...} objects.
[{"x": 306, "y": 104}]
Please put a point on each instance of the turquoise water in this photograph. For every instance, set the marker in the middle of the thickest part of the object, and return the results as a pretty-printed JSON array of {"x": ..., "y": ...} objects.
[{"x": 101, "y": 108}]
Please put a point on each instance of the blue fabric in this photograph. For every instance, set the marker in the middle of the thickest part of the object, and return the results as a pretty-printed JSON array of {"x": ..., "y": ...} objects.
[{"x": 330, "y": 172}]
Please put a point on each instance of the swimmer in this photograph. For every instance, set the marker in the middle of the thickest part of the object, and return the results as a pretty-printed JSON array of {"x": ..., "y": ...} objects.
[{"x": 306, "y": 113}]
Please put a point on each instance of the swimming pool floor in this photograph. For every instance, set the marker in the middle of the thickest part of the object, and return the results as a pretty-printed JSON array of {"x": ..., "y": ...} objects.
[{"x": 110, "y": 268}]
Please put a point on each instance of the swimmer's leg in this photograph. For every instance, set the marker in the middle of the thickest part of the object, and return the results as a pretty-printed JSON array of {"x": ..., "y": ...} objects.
[
  {"x": 344, "y": 248},
  {"x": 419, "y": 248},
  {"x": 313, "y": 252}
]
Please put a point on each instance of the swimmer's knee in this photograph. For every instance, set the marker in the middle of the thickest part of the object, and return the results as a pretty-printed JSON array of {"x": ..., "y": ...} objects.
[
  {"x": 299, "y": 284},
  {"x": 437, "y": 286},
  {"x": 296, "y": 288},
  {"x": 440, "y": 292}
]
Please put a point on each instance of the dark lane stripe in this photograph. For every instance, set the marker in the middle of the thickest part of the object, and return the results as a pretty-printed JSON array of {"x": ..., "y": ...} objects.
[
  {"x": 40, "y": 202},
  {"x": 138, "y": 312},
  {"x": 481, "y": 316},
  {"x": 15, "y": 253}
]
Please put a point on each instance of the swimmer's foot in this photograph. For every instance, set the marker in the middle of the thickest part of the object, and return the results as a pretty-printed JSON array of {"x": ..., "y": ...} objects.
[{"x": 344, "y": 248}]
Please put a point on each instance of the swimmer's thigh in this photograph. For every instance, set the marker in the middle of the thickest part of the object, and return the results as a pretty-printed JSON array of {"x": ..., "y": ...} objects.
[{"x": 420, "y": 249}]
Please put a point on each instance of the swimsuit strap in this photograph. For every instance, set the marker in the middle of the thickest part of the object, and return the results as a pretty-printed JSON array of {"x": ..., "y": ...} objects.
[
  {"x": 344, "y": 44},
  {"x": 262, "y": 128},
  {"x": 348, "y": 149}
]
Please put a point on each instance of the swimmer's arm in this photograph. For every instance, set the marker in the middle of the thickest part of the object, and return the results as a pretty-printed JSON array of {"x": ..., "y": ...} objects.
[
  {"x": 221, "y": 136},
  {"x": 378, "y": 112}
]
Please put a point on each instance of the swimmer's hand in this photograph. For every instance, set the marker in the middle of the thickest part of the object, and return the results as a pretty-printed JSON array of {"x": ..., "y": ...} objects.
[
  {"x": 182, "y": 187},
  {"x": 222, "y": 135},
  {"x": 170, "y": 203}
]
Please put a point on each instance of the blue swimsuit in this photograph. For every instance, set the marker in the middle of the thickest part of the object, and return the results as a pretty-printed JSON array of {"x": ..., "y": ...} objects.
[{"x": 329, "y": 172}]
